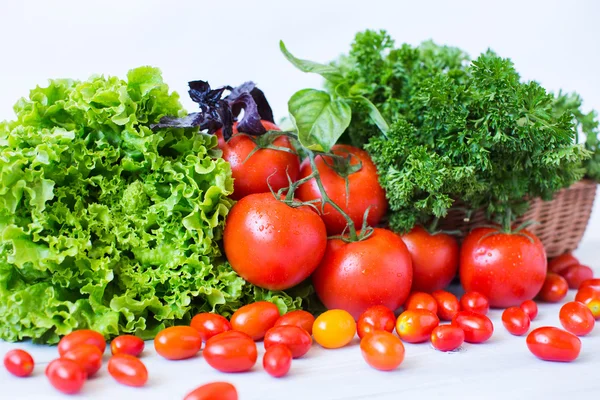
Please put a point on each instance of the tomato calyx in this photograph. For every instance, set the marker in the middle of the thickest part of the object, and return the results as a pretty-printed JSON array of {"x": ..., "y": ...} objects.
[
  {"x": 264, "y": 141},
  {"x": 508, "y": 230}
]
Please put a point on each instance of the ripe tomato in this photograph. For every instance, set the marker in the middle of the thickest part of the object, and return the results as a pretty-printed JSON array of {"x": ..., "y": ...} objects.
[
  {"x": 477, "y": 327},
  {"x": 575, "y": 275},
  {"x": 277, "y": 360},
  {"x": 255, "y": 319},
  {"x": 364, "y": 190},
  {"x": 434, "y": 257},
  {"x": 382, "y": 350},
  {"x": 506, "y": 268},
  {"x": 355, "y": 276},
  {"x": 516, "y": 321},
  {"x": 231, "y": 351},
  {"x": 66, "y": 375},
  {"x": 531, "y": 309},
  {"x": 593, "y": 283},
  {"x": 214, "y": 391},
  {"x": 555, "y": 288},
  {"x": 83, "y": 336},
  {"x": 334, "y": 329},
  {"x": 591, "y": 299},
  {"x": 559, "y": 263},
  {"x": 576, "y": 318},
  {"x": 447, "y": 337},
  {"x": 418, "y": 300},
  {"x": 127, "y": 344},
  {"x": 178, "y": 342},
  {"x": 553, "y": 344},
  {"x": 447, "y": 304},
  {"x": 300, "y": 318},
  {"x": 209, "y": 325},
  {"x": 265, "y": 167},
  {"x": 86, "y": 355},
  {"x": 415, "y": 326},
  {"x": 273, "y": 245},
  {"x": 296, "y": 339},
  {"x": 128, "y": 370},
  {"x": 376, "y": 318},
  {"x": 476, "y": 302},
  {"x": 19, "y": 363}
]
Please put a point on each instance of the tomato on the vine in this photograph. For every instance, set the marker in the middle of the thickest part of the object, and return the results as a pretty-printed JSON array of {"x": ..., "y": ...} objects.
[
  {"x": 478, "y": 328},
  {"x": 127, "y": 344},
  {"x": 178, "y": 342},
  {"x": 559, "y": 263},
  {"x": 86, "y": 355},
  {"x": 415, "y": 326},
  {"x": 476, "y": 302},
  {"x": 552, "y": 344},
  {"x": 591, "y": 298},
  {"x": 66, "y": 375},
  {"x": 231, "y": 351},
  {"x": 447, "y": 337},
  {"x": 209, "y": 325},
  {"x": 575, "y": 275},
  {"x": 128, "y": 370},
  {"x": 19, "y": 363},
  {"x": 334, "y": 329},
  {"x": 422, "y": 300},
  {"x": 376, "y": 318},
  {"x": 447, "y": 304},
  {"x": 300, "y": 318},
  {"x": 277, "y": 360},
  {"x": 576, "y": 318},
  {"x": 296, "y": 339},
  {"x": 531, "y": 309},
  {"x": 382, "y": 350},
  {"x": 213, "y": 391},
  {"x": 82, "y": 336},
  {"x": 516, "y": 321},
  {"x": 555, "y": 288},
  {"x": 255, "y": 319}
]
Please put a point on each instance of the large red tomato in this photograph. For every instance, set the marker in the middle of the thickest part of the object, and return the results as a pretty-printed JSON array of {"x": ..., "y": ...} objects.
[
  {"x": 363, "y": 189},
  {"x": 506, "y": 268},
  {"x": 251, "y": 175},
  {"x": 355, "y": 276},
  {"x": 273, "y": 245}
]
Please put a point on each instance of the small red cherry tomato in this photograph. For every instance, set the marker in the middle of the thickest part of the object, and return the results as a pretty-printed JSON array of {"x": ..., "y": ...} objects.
[
  {"x": 447, "y": 304},
  {"x": 423, "y": 300},
  {"x": 128, "y": 370},
  {"x": 553, "y": 344},
  {"x": 214, "y": 391},
  {"x": 127, "y": 344},
  {"x": 591, "y": 298},
  {"x": 86, "y": 355},
  {"x": 66, "y": 375},
  {"x": 300, "y": 318},
  {"x": 255, "y": 319},
  {"x": 592, "y": 283},
  {"x": 178, "y": 342},
  {"x": 447, "y": 337},
  {"x": 382, "y": 350},
  {"x": 375, "y": 318},
  {"x": 296, "y": 339},
  {"x": 477, "y": 327},
  {"x": 19, "y": 363},
  {"x": 475, "y": 302},
  {"x": 209, "y": 325},
  {"x": 531, "y": 309},
  {"x": 576, "y": 318},
  {"x": 83, "y": 336},
  {"x": 558, "y": 264},
  {"x": 277, "y": 360},
  {"x": 231, "y": 351},
  {"x": 516, "y": 321},
  {"x": 555, "y": 288},
  {"x": 576, "y": 275},
  {"x": 415, "y": 326}
]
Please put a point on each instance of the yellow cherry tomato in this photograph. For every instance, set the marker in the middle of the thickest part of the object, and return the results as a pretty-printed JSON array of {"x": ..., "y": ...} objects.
[{"x": 334, "y": 329}]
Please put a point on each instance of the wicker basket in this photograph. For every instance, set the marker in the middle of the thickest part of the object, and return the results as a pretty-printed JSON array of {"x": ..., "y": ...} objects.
[{"x": 562, "y": 220}]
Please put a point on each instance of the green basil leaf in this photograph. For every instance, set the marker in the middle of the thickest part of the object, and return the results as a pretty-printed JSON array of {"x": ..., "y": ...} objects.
[
  {"x": 374, "y": 113},
  {"x": 329, "y": 72}
]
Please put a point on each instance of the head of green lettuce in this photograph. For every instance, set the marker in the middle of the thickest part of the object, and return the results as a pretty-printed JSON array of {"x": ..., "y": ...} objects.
[{"x": 106, "y": 224}]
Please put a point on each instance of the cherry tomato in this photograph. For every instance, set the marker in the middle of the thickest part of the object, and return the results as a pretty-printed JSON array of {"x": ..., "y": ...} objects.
[
  {"x": 553, "y": 344},
  {"x": 592, "y": 283},
  {"x": 214, "y": 391},
  {"x": 86, "y": 355},
  {"x": 334, "y": 329},
  {"x": 255, "y": 319},
  {"x": 272, "y": 245},
  {"x": 83, "y": 336},
  {"x": 576, "y": 275},
  {"x": 576, "y": 318},
  {"x": 296, "y": 339},
  {"x": 376, "y": 318},
  {"x": 555, "y": 288},
  {"x": 591, "y": 299},
  {"x": 127, "y": 344},
  {"x": 448, "y": 304},
  {"x": 418, "y": 300},
  {"x": 506, "y": 268},
  {"x": 231, "y": 351},
  {"x": 382, "y": 350},
  {"x": 475, "y": 302},
  {"x": 355, "y": 276},
  {"x": 66, "y": 375},
  {"x": 531, "y": 309},
  {"x": 415, "y": 326},
  {"x": 447, "y": 337},
  {"x": 19, "y": 363},
  {"x": 277, "y": 360},
  {"x": 434, "y": 257},
  {"x": 128, "y": 370},
  {"x": 300, "y": 318},
  {"x": 178, "y": 342},
  {"x": 477, "y": 327},
  {"x": 209, "y": 325},
  {"x": 364, "y": 190},
  {"x": 559, "y": 263},
  {"x": 516, "y": 321}
]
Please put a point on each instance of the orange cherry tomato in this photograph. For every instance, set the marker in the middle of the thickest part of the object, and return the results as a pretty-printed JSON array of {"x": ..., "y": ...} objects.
[
  {"x": 214, "y": 391},
  {"x": 86, "y": 355},
  {"x": 447, "y": 337},
  {"x": 447, "y": 304},
  {"x": 530, "y": 307},
  {"x": 231, "y": 351},
  {"x": 128, "y": 370},
  {"x": 593, "y": 283},
  {"x": 376, "y": 318},
  {"x": 576, "y": 318},
  {"x": 475, "y": 302},
  {"x": 477, "y": 327},
  {"x": 296, "y": 339},
  {"x": 300, "y": 318},
  {"x": 415, "y": 326},
  {"x": 423, "y": 300},
  {"x": 591, "y": 298},
  {"x": 382, "y": 350},
  {"x": 83, "y": 336},
  {"x": 19, "y": 363},
  {"x": 553, "y": 344},
  {"x": 277, "y": 360},
  {"x": 178, "y": 342},
  {"x": 66, "y": 375},
  {"x": 559, "y": 263},
  {"x": 127, "y": 344},
  {"x": 334, "y": 329},
  {"x": 516, "y": 321},
  {"x": 555, "y": 288},
  {"x": 210, "y": 324},
  {"x": 576, "y": 275},
  {"x": 255, "y": 319}
]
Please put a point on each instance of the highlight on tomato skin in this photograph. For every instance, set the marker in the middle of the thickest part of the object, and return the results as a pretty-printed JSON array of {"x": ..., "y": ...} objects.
[
  {"x": 382, "y": 350},
  {"x": 19, "y": 363},
  {"x": 82, "y": 336},
  {"x": 553, "y": 344},
  {"x": 516, "y": 321},
  {"x": 255, "y": 319},
  {"x": 210, "y": 324},
  {"x": 127, "y": 344},
  {"x": 231, "y": 351},
  {"x": 577, "y": 318},
  {"x": 422, "y": 300},
  {"x": 592, "y": 283},
  {"x": 415, "y": 326},
  {"x": 376, "y": 318},
  {"x": 478, "y": 328},
  {"x": 475, "y": 302},
  {"x": 447, "y": 304}
]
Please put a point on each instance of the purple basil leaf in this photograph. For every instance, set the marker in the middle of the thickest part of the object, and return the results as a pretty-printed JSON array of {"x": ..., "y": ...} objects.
[
  {"x": 189, "y": 121},
  {"x": 264, "y": 109},
  {"x": 250, "y": 123}
]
